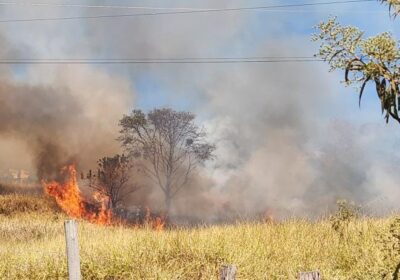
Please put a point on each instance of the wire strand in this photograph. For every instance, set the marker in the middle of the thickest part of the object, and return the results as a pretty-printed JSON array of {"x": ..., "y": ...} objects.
[
  {"x": 187, "y": 12},
  {"x": 162, "y": 59},
  {"x": 93, "y": 6},
  {"x": 55, "y": 62}
]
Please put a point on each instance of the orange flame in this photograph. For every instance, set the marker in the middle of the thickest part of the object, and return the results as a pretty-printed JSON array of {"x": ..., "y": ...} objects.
[
  {"x": 268, "y": 216},
  {"x": 157, "y": 223},
  {"x": 69, "y": 197}
]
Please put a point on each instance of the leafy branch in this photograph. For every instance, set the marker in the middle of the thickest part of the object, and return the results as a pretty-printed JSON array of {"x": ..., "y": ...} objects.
[
  {"x": 394, "y": 6},
  {"x": 374, "y": 59}
]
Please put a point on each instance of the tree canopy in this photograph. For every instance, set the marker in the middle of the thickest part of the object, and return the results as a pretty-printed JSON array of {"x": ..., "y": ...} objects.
[
  {"x": 394, "y": 6},
  {"x": 169, "y": 145},
  {"x": 374, "y": 59},
  {"x": 113, "y": 179}
]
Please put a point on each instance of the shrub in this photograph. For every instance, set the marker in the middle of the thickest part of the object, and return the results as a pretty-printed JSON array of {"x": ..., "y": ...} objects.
[
  {"x": 389, "y": 241},
  {"x": 346, "y": 213}
]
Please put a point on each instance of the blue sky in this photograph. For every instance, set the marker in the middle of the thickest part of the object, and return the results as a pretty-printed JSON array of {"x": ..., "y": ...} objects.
[
  {"x": 289, "y": 24},
  {"x": 246, "y": 33},
  {"x": 257, "y": 27}
]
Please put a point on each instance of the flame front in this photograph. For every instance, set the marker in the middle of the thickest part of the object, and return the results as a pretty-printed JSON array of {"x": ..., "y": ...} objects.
[
  {"x": 69, "y": 197},
  {"x": 157, "y": 223}
]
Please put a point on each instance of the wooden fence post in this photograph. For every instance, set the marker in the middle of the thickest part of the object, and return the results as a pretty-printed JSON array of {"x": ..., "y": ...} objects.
[
  {"x": 71, "y": 238},
  {"x": 228, "y": 272},
  {"x": 313, "y": 275}
]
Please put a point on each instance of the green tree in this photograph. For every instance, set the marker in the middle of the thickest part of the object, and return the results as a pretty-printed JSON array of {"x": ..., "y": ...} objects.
[
  {"x": 169, "y": 146},
  {"x": 394, "y": 6},
  {"x": 375, "y": 59}
]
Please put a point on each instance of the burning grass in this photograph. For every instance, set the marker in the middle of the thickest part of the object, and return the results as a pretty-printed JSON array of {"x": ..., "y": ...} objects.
[
  {"x": 33, "y": 247},
  {"x": 69, "y": 197}
]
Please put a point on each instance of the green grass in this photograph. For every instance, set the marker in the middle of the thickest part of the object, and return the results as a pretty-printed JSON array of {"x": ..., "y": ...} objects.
[{"x": 32, "y": 246}]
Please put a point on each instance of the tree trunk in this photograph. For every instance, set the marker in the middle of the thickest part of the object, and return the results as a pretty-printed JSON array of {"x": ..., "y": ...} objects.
[
  {"x": 110, "y": 204},
  {"x": 168, "y": 201}
]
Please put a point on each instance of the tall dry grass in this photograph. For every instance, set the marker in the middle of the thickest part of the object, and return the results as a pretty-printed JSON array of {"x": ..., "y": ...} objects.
[
  {"x": 32, "y": 246},
  {"x": 15, "y": 188}
]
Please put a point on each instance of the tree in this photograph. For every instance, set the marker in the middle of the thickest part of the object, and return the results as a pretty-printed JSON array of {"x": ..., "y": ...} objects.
[
  {"x": 170, "y": 145},
  {"x": 394, "y": 6},
  {"x": 375, "y": 59},
  {"x": 113, "y": 179}
]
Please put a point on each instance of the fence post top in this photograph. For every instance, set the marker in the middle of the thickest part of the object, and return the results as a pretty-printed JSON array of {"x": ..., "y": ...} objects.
[
  {"x": 311, "y": 275},
  {"x": 228, "y": 272},
  {"x": 73, "y": 259}
]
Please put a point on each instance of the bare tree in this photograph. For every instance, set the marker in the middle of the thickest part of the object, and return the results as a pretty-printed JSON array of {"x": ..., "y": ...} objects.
[
  {"x": 169, "y": 144},
  {"x": 113, "y": 179}
]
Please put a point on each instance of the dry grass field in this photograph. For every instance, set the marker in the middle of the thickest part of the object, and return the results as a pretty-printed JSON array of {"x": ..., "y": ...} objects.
[{"x": 32, "y": 246}]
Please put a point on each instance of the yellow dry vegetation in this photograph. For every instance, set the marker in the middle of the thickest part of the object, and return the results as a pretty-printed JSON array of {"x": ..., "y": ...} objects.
[{"x": 32, "y": 246}]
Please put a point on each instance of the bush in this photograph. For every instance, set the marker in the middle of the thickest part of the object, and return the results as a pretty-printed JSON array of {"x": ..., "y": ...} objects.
[
  {"x": 346, "y": 213},
  {"x": 389, "y": 240}
]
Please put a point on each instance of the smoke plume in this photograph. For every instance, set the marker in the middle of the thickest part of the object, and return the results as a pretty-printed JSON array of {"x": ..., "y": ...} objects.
[
  {"x": 68, "y": 119},
  {"x": 288, "y": 139}
]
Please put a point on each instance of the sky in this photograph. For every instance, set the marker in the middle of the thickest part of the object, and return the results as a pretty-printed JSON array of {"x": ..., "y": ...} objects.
[
  {"x": 289, "y": 136},
  {"x": 48, "y": 39}
]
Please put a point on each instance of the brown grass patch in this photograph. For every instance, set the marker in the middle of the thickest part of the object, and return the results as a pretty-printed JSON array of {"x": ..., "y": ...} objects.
[{"x": 11, "y": 204}]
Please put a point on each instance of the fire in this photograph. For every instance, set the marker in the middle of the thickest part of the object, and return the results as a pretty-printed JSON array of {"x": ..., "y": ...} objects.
[
  {"x": 69, "y": 197},
  {"x": 157, "y": 223},
  {"x": 268, "y": 216}
]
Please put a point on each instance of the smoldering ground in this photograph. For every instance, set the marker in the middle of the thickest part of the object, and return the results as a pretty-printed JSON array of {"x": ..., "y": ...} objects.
[{"x": 287, "y": 138}]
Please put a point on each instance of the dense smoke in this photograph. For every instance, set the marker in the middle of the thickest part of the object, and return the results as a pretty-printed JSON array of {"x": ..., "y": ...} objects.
[
  {"x": 282, "y": 151},
  {"x": 66, "y": 120},
  {"x": 288, "y": 141}
]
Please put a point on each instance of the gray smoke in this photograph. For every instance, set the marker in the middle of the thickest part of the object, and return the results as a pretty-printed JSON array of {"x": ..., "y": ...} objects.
[
  {"x": 69, "y": 119},
  {"x": 287, "y": 137}
]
